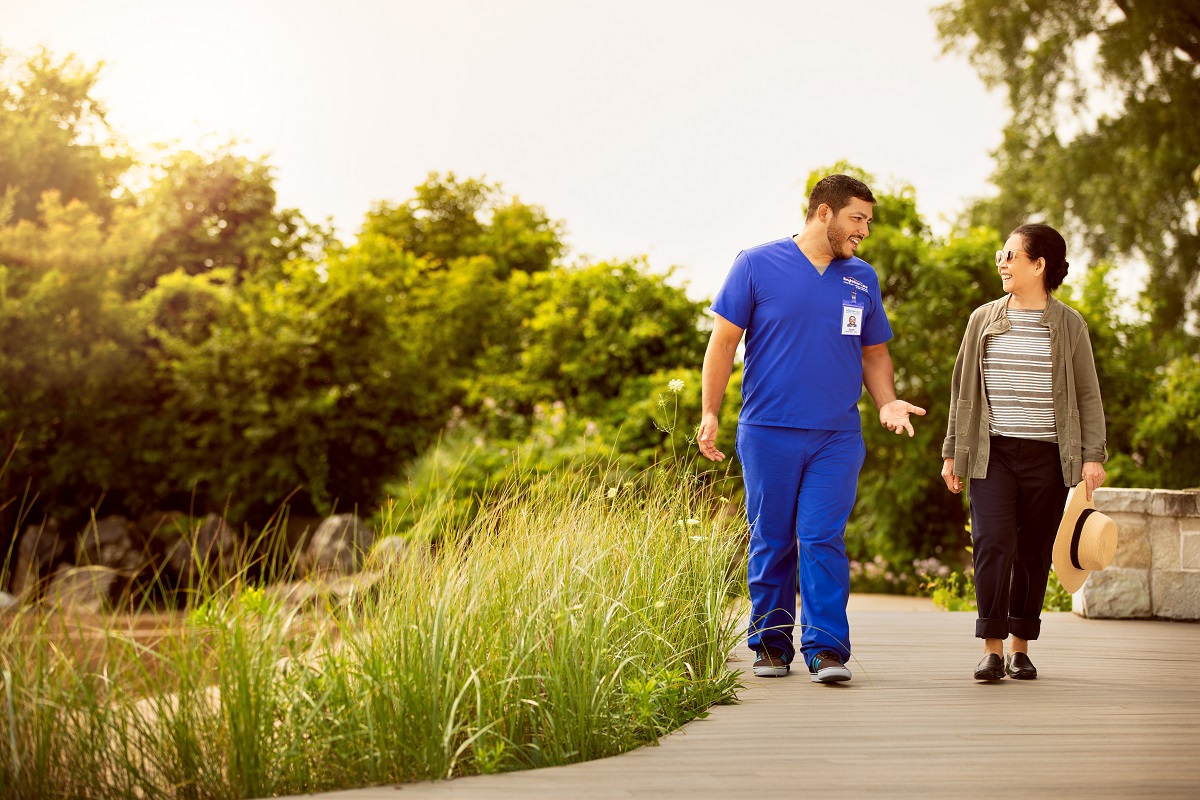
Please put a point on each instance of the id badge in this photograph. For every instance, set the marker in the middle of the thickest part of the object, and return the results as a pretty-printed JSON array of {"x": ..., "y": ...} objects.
[{"x": 852, "y": 320}]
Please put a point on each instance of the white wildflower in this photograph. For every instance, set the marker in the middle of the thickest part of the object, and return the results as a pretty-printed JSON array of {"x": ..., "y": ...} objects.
[{"x": 676, "y": 386}]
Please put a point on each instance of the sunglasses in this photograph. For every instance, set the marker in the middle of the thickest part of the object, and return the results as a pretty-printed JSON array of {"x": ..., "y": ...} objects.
[{"x": 1006, "y": 256}]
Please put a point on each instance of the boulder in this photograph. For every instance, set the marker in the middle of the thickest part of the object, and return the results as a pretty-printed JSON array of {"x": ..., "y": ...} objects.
[
  {"x": 338, "y": 546},
  {"x": 390, "y": 552},
  {"x": 40, "y": 550},
  {"x": 91, "y": 588},
  {"x": 113, "y": 542},
  {"x": 191, "y": 549},
  {"x": 298, "y": 531}
]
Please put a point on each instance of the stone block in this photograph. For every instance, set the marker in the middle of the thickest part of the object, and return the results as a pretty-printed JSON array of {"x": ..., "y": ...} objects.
[
  {"x": 1176, "y": 594},
  {"x": 1189, "y": 550},
  {"x": 1164, "y": 542},
  {"x": 1173, "y": 503},
  {"x": 1115, "y": 593},
  {"x": 1133, "y": 540},
  {"x": 1123, "y": 500}
]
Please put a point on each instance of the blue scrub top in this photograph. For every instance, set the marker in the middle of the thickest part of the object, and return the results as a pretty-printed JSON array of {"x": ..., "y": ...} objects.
[{"x": 801, "y": 370}]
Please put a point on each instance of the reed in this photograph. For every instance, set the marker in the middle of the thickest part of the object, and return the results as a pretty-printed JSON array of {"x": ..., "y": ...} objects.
[{"x": 566, "y": 622}]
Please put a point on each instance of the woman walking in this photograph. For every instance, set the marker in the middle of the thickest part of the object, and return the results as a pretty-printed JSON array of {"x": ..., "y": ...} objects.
[{"x": 1026, "y": 424}]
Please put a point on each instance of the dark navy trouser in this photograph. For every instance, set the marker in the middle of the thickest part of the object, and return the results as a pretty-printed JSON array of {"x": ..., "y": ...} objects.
[
  {"x": 800, "y": 490},
  {"x": 1015, "y": 512}
]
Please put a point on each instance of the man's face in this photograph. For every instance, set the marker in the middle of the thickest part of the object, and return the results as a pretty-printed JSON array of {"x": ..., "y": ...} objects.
[{"x": 849, "y": 227}]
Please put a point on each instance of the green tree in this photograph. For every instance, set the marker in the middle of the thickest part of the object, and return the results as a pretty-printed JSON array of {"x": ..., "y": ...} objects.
[
  {"x": 1113, "y": 159},
  {"x": 213, "y": 211},
  {"x": 449, "y": 219},
  {"x": 312, "y": 386},
  {"x": 592, "y": 329},
  {"x": 76, "y": 391},
  {"x": 54, "y": 137}
]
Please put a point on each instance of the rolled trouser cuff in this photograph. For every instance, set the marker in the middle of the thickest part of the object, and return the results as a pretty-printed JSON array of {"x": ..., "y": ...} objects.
[
  {"x": 991, "y": 629},
  {"x": 1024, "y": 628}
]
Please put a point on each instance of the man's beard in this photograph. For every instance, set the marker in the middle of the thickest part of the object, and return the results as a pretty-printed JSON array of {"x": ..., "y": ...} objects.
[{"x": 839, "y": 241}]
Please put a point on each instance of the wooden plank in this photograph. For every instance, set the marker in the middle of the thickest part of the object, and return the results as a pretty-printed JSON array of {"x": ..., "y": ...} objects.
[{"x": 1114, "y": 713}]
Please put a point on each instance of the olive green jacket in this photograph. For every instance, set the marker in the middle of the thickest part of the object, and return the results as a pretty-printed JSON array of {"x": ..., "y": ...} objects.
[{"x": 1078, "y": 409}]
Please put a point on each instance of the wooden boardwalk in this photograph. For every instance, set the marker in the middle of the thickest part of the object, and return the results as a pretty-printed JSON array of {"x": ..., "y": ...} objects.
[{"x": 1115, "y": 713}]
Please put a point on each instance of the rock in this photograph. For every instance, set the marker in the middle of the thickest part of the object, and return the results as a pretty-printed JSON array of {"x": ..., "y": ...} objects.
[
  {"x": 93, "y": 588},
  {"x": 40, "y": 550},
  {"x": 298, "y": 531},
  {"x": 112, "y": 542},
  {"x": 388, "y": 552},
  {"x": 339, "y": 546},
  {"x": 193, "y": 551},
  {"x": 1115, "y": 593}
]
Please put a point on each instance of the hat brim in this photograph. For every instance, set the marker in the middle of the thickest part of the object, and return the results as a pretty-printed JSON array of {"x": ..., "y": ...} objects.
[{"x": 1070, "y": 576}]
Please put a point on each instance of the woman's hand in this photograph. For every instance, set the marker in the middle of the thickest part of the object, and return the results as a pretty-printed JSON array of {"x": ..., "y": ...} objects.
[
  {"x": 1093, "y": 476},
  {"x": 953, "y": 482}
]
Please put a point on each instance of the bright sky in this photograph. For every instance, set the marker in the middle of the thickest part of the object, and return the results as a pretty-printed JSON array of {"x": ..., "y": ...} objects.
[{"x": 679, "y": 129}]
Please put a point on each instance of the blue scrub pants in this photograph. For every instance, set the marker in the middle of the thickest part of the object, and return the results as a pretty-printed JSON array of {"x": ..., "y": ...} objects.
[{"x": 800, "y": 489}]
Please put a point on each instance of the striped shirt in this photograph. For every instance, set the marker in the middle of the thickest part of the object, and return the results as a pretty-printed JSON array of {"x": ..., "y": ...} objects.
[{"x": 1018, "y": 377}]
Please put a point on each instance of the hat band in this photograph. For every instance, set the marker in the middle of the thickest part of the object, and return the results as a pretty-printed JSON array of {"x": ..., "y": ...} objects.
[{"x": 1083, "y": 515}]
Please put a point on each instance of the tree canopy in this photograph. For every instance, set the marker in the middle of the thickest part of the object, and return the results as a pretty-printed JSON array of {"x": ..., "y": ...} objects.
[
  {"x": 1103, "y": 135},
  {"x": 54, "y": 137}
]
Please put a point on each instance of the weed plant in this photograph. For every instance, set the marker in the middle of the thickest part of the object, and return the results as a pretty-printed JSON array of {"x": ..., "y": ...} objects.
[{"x": 567, "y": 622}]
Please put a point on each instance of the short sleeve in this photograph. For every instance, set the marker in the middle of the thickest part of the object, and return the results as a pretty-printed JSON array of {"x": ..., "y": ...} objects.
[{"x": 735, "y": 300}]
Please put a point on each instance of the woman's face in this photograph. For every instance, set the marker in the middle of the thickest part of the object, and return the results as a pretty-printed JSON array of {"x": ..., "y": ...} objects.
[{"x": 1019, "y": 273}]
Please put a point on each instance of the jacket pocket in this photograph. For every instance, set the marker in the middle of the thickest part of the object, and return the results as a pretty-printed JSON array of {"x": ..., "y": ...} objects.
[{"x": 962, "y": 419}]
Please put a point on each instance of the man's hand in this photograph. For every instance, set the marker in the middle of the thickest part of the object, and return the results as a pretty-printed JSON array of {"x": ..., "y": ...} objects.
[
  {"x": 1093, "y": 476},
  {"x": 706, "y": 438},
  {"x": 894, "y": 416}
]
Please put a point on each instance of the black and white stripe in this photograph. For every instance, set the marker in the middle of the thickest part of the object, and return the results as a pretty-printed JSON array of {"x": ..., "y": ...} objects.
[{"x": 1018, "y": 376}]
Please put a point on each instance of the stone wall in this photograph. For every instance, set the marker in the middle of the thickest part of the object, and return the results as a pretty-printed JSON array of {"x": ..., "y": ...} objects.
[{"x": 1156, "y": 571}]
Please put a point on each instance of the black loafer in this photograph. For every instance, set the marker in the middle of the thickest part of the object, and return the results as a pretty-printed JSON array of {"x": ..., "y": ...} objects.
[
  {"x": 1018, "y": 666},
  {"x": 990, "y": 669}
]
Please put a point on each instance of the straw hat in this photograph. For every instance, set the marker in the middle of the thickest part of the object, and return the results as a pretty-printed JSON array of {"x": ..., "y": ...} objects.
[{"x": 1086, "y": 540}]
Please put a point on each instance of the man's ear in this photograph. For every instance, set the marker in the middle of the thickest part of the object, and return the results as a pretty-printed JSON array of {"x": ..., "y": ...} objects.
[{"x": 824, "y": 212}]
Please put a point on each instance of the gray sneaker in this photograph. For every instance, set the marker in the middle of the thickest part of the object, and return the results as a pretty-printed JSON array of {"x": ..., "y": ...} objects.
[
  {"x": 771, "y": 663},
  {"x": 827, "y": 667}
]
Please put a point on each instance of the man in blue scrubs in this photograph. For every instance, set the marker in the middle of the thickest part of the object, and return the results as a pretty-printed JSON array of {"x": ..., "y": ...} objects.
[{"x": 816, "y": 333}]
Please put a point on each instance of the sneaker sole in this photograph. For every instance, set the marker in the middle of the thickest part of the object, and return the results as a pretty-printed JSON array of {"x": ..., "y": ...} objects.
[
  {"x": 831, "y": 675},
  {"x": 771, "y": 672}
]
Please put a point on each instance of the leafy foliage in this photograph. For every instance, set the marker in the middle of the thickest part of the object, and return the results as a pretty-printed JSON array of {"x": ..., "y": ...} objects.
[
  {"x": 1104, "y": 95},
  {"x": 54, "y": 137},
  {"x": 189, "y": 345}
]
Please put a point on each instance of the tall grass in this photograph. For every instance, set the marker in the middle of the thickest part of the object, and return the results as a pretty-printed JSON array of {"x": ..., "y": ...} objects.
[{"x": 569, "y": 623}]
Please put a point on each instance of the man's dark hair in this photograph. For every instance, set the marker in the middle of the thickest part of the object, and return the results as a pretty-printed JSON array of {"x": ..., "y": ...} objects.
[
  {"x": 1042, "y": 241},
  {"x": 836, "y": 191}
]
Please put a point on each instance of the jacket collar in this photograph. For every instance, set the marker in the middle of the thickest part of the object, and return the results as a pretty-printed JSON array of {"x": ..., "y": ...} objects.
[{"x": 1051, "y": 317}]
